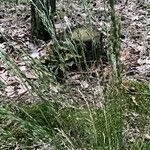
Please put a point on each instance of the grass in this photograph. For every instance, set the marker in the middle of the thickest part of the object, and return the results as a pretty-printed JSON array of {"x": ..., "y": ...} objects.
[
  {"x": 67, "y": 127},
  {"x": 80, "y": 127}
]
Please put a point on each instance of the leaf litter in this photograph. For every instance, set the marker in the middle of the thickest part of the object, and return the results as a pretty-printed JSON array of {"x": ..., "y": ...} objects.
[{"x": 135, "y": 56}]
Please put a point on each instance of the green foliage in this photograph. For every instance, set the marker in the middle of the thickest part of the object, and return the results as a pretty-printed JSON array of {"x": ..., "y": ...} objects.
[
  {"x": 60, "y": 59},
  {"x": 18, "y": 130},
  {"x": 140, "y": 95},
  {"x": 73, "y": 127},
  {"x": 140, "y": 144}
]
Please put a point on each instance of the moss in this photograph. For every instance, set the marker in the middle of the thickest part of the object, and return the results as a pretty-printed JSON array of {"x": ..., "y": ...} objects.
[{"x": 84, "y": 34}]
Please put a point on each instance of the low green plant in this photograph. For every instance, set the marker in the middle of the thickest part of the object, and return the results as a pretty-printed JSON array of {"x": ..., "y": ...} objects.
[
  {"x": 72, "y": 127},
  {"x": 20, "y": 131},
  {"x": 60, "y": 60}
]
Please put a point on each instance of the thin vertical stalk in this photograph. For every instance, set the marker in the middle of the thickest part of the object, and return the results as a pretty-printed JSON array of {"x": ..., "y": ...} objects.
[{"x": 115, "y": 44}]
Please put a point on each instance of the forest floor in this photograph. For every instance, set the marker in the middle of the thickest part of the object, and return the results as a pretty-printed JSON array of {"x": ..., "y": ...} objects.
[{"x": 135, "y": 49}]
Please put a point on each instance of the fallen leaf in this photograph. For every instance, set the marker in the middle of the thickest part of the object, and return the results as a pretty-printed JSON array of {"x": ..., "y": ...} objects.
[
  {"x": 147, "y": 137},
  {"x": 84, "y": 84}
]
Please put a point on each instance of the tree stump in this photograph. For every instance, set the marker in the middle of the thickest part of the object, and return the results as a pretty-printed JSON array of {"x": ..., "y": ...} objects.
[{"x": 90, "y": 42}]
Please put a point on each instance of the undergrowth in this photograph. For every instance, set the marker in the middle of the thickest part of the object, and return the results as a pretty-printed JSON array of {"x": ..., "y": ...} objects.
[
  {"x": 54, "y": 121},
  {"x": 75, "y": 127},
  {"x": 79, "y": 127}
]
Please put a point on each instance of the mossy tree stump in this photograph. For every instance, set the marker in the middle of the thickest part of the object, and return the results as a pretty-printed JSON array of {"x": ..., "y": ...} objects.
[{"x": 89, "y": 43}]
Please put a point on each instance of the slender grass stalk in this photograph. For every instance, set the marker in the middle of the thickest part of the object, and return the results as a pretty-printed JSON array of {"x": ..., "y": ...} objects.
[
  {"x": 91, "y": 119},
  {"x": 115, "y": 44}
]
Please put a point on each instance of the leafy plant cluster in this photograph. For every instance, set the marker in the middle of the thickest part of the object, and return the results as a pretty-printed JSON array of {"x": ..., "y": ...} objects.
[{"x": 60, "y": 59}]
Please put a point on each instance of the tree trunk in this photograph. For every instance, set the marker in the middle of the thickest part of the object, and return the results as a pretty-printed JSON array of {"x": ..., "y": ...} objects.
[
  {"x": 38, "y": 26},
  {"x": 53, "y": 6}
]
